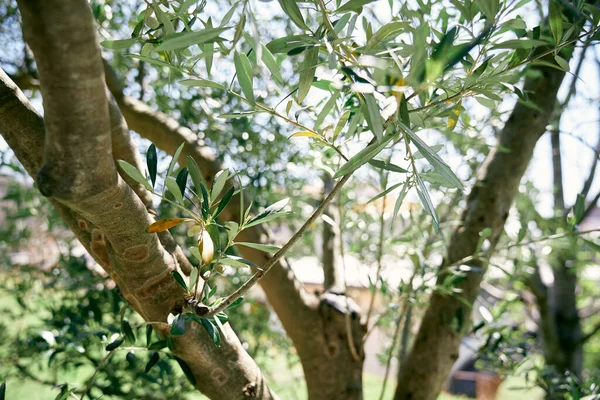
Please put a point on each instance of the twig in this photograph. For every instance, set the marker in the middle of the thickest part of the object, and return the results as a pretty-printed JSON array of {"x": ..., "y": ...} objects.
[
  {"x": 90, "y": 381},
  {"x": 212, "y": 311}
]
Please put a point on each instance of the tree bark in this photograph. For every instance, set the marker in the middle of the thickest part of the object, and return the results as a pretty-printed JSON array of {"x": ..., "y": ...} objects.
[
  {"x": 446, "y": 320},
  {"x": 79, "y": 176},
  {"x": 316, "y": 323}
]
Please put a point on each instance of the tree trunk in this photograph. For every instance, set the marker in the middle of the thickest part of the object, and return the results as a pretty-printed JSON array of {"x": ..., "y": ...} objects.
[
  {"x": 447, "y": 319},
  {"x": 316, "y": 323}
]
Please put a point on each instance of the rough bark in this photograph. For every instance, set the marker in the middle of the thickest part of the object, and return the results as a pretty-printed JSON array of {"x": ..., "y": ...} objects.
[
  {"x": 446, "y": 320},
  {"x": 316, "y": 323},
  {"x": 79, "y": 176}
]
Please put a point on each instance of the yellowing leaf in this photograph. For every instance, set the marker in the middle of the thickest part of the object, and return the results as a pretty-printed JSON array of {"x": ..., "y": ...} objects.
[
  {"x": 306, "y": 134},
  {"x": 164, "y": 224},
  {"x": 454, "y": 114}
]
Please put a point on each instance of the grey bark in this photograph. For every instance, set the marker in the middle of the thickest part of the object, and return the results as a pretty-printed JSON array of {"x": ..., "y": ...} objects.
[
  {"x": 447, "y": 318},
  {"x": 78, "y": 175}
]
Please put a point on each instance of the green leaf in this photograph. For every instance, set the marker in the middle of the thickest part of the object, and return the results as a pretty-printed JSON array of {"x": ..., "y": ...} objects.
[
  {"x": 386, "y": 191},
  {"x": 403, "y": 111},
  {"x": 239, "y": 262},
  {"x": 173, "y": 187},
  {"x": 180, "y": 279},
  {"x": 224, "y": 201},
  {"x": 579, "y": 209},
  {"x": 152, "y": 163},
  {"x": 229, "y": 14},
  {"x": 208, "y": 49},
  {"x": 556, "y": 20},
  {"x": 194, "y": 274},
  {"x": 243, "y": 70},
  {"x": 219, "y": 183},
  {"x": 152, "y": 361},
  {"x": 236, "y": 303},
  {"x": 340, "y": 125},
  {"x": 364, "y": 156},
  {"x": 267, "y": 248},
  {"x": 134, "y": 174},
  {"x": 354, "y": 6},
  {"x": 326, "y": 109},
  {"x": 182, "y": 180},
  {"x": 127, "y": 331},
  {"x": 187, "y": 371},
  {"x": 288, "y": 43},
  {"x": 161, "y": 344},
  {"x": 164, "y": 19},
  {"x": 307, "y": 73},
  {"x": 399, "y": 201},
  {"x": 178, "y": 326},
  {"x": 148, "y": 334},
  {"x": 212, "y": 331},
  {"x": 291, "y": 9},
  {"x": 118, "y": 44},
  {"x": 197, "y": 177},
  {"x": 268, "y": 213},
  {"x": 215, "y": 235},
  {"x": 436, "y": 162},
  {"x": 269, "y": 60},
  {"x": 374, "y": 116},
  {"x": 205, "y": 202},
  {"x": 520, "y": 44},
  {"x": 387, "y": 166},
  {"x": 3, "y": 391},
  {"x": 562, "y": 63},
  {"x": 239, "y": 115},
  {"x": 426, "y": 202},
  {"x": 202, "y": 83},
  {"x": 593, "y": 245},
  {"x": 175, "y": 159},
  {"x": 115, "y": 344},
  {"x": 182, "y": 40},
  {"x": 385, "y": 34}
]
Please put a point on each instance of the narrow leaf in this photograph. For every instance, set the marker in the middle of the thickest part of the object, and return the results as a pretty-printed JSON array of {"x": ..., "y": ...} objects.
[
  {"x": 187, "y": 371},
  {"x": 171, "y": 184},
  {"x": 272, "y": 210},
  {"x": 152, "y": 163},
  {"x": 579, "y": 209},
  {"x": 291, "y": 9},
  {"x": 127, "y": 331},
  {"x": 175, "y": 159},
  {"x": 182, "y": 40},
  {"x": 243, "y": 69},
  {"x": 556, "y": 20},
  {"x": 180, "y": 279},
  {"x": 219, "y": 183},
  {"x": 113, "y": 345},
  {"x": 306, "y": 134},
  {"x": 182, "y": 180},
  {"x": 374, "y": 116},
  {"x": 267, "y": 248},
  {"x": 236, "y": 261},
  {"x": 363, "y": 156},
  {"x": 354, "y": 6},
  {"x": 387, "y": 166},
  {"x": 236, "y": 303},
  {"x": 224, "y": 201},
  {"x": 148, "y": 334},
  {"x": 197, "y": 177},
  {"x": 202, "y": 83},
  {"x": 426, "y": 202},
  {"x": 178, "y": 326},
  {"x": 164, "y": 224},
  {"x": 438, "y": 164},
  {"x": 152, "y": 361},
  {"x": 399, "y": 201},
  {"x": 385, "y": 192},
  {"x": 308, "y": 69},
  {"x": 134, "y": 174},
  {"x": 118, "y": 44},
  {"x": 212, "y": 331}
]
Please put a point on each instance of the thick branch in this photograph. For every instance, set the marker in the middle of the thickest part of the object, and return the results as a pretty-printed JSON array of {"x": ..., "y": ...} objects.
[
  {"x": 447, "y": 318},
  {"x": 320, "y": 350},
  {"x": 112, "y": 219}
]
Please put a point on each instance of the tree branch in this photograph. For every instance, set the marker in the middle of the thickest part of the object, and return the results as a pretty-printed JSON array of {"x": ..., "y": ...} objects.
[
  {"x": 105, "y": 213},
  {"x": 447, "y": 319}
]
